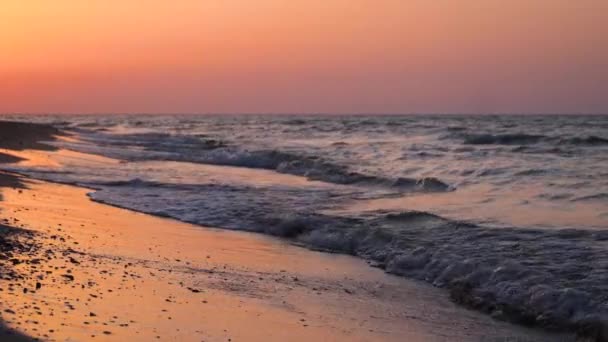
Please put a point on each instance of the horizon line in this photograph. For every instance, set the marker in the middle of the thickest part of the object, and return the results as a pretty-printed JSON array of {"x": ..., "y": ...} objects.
[{"x": 300, "y": 113}]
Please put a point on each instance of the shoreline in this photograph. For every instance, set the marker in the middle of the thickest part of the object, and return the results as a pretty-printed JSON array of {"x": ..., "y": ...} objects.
[
  {"x": 102, "y": 268},
  {"x": 287, "y": 282}
]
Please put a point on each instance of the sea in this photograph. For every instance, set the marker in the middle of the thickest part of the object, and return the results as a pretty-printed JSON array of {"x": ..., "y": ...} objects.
[{"x": 507, "y": 212}]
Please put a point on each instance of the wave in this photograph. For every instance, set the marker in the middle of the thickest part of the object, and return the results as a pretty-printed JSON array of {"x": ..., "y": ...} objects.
[
  {"x": 591, "y": 140},
  {"x": 502, "y": 139},
  {"x": 603, "y": 196},
  {"x": 313, "y": 168},
  {"x": 530, "y": 139},
  {"x": 527, "y": 276},
  {"x": 205, "y": 150},
  {"x": 532, "y": 172},
  {"x": 549, "y": 278}
]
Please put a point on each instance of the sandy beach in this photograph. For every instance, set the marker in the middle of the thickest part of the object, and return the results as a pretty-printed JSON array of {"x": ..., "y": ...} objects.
[{"x": 78, "y": 270}]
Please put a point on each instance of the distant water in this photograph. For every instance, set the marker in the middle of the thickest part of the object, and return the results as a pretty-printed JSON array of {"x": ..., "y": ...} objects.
[{"x": 508, "y": 212}]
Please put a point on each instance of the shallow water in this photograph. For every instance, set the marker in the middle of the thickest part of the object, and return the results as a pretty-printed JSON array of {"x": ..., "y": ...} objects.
[{"x": 508, "y": 212}]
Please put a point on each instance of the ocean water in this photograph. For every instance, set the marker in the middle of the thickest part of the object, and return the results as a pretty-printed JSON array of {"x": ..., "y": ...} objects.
[{"x": 509, "y": 213}]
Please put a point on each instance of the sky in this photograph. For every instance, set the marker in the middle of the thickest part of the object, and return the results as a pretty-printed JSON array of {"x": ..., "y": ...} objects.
[{"x": 304, "y": 56}]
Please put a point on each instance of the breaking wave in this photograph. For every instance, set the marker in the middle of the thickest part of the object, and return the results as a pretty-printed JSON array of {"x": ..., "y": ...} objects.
[
  {"x": 550, "y": 278},
  {"x": 204, "y": 150},
  {"x": 313, "y": 168}
]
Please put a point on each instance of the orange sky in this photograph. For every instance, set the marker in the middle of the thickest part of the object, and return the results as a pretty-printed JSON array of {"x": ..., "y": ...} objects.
[{"x": 342, "y": 56}]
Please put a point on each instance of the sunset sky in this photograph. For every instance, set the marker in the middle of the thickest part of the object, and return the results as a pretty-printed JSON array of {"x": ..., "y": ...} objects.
[{"x": 286, "y": 56}]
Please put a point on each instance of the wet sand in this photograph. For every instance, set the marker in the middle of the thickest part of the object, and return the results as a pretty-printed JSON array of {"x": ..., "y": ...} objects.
[
  {"x": 83, "y": 271},
  {"x": 22, "y": 135}
]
